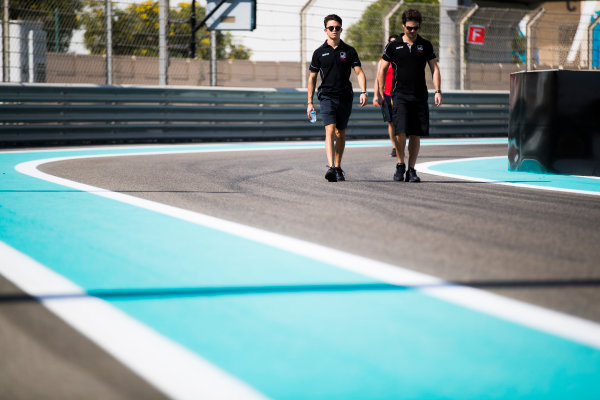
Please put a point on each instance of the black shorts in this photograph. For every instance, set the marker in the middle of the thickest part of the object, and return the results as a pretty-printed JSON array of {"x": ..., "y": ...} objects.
[
  {"x": 410, "y": 116},
  {"x": 388, "y": 104},
  {"x": 336, "y": 110}
]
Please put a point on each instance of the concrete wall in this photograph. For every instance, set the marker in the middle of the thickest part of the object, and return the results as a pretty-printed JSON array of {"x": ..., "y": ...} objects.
[{"x": 73, "y": 68}]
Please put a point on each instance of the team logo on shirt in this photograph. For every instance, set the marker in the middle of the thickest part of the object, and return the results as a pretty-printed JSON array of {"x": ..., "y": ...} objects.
[
  {"x": 342, "y": 56},
  {"x": 420, "y": 48}
]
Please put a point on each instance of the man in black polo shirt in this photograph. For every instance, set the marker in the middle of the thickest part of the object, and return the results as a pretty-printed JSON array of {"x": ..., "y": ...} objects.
[
  {"x": 409, "y": 55},
  {"x": 335, "y": 60}
]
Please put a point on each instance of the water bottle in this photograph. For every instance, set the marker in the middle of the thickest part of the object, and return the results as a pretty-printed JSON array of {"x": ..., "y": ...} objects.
[{"x": 313, "y": 117}]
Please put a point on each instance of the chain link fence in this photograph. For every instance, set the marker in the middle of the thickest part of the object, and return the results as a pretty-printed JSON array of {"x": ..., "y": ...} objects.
[{"x": 64, "y": 41}]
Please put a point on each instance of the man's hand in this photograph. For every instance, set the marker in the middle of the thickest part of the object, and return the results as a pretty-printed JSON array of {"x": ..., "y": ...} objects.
[
  {"x": 438, "y": 99},
  {"x": 309, "y": 108},
  {"x": 363, "y": 99}
]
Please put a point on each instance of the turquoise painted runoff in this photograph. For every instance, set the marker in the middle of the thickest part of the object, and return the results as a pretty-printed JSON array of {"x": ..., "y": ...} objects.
[
  {"x": 288, "y": 325},
  {"x": 496, "y": 169}
]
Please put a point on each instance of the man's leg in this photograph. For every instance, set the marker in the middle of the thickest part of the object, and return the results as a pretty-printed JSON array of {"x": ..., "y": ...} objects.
[
  {"x": 400, "y": 122},
  {"x": 330, "y": 175},
  {"x": 340, "y": 145},
  {"x": 400, "y": 145},
  {"x": 329, "y": 144},
  {"x": 343, "y": 115},
  {"x": 388, "y": 104},
  {"x": 399, "y": 142},
  {"x": 393, "y": 140},
  {"x": 414, "y": 145},
  {"x": 419, "y": 120}
]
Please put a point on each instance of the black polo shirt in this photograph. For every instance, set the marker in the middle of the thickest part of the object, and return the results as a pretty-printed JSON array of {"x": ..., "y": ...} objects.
[
  {"x": 335, "y": 66},
  {"x": 409, "y": 66}
]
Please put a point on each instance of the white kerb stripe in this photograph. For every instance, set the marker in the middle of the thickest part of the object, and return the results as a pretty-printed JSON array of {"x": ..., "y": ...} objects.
[{"x": 170, "y": 367}]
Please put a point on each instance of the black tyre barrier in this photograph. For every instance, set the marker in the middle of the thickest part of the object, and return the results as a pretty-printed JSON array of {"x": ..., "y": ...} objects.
[{"x": 554, "y": 122}]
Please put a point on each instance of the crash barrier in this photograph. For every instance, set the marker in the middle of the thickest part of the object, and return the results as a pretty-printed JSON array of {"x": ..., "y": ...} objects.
[
  {"x": 555, "y": 122},
  {"x": 32, "y": 113}
]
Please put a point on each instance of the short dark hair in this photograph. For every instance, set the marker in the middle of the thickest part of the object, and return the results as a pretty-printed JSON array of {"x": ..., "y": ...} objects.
[
  {"x": 411, "y": 15},
  {"x": 393, "y": 37},
  {"x": 332, "y": 17}
]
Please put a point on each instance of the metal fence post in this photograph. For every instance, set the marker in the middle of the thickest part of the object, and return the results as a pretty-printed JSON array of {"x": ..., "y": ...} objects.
[
  {"x": 529, "y": 35},
  {"x": 386, "y": 21},
  {"x": 109, "y": 52},
  {"x": 461, "y": 26},
  {"x": 449, "y": 46},
  {"x": 213, "y": 58},
  {"x": 590, "y": 42},
  {"x": 5, "y": 43},
  {"x": 163, "y": 55},
  {"x": 303, "y": 42}
]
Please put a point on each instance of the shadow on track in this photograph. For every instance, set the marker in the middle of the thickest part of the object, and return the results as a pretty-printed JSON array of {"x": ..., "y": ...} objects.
[{"x": 146, "y": 293}]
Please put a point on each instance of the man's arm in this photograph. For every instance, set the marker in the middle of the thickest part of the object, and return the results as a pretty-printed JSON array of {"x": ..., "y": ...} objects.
[
  {"x": 362, "y": 82},
  {"x": 312, "y": 82},
  {"x": 381, "y": 72},
  {"x": 376, "y": 85},
  {"x": 435, "y": 73}
]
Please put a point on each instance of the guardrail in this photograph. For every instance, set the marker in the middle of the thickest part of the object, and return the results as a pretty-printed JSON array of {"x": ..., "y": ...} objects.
[{"x": 32, "y": 113}]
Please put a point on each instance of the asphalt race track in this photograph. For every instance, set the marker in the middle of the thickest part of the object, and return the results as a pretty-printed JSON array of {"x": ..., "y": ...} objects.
[{"x": 539, "y": 247}]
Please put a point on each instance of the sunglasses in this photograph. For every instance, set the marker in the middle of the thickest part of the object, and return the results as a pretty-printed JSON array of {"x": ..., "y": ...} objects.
[
  {"x": 412, "y": 28},
  {"x": 331, "y": 28}
]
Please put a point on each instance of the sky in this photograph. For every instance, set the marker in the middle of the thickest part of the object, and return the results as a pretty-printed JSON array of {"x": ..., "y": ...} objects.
[{"x": 277, "y": 33}]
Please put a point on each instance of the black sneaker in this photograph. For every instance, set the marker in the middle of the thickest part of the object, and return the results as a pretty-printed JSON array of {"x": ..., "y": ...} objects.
[
  {"x": 393, "y": 153},
  {"x": 411, "y": 176},
  {"x": 339, "y": 174},
  {"x": 331, "y": 174},
  {"x": 400, "y": 170}
]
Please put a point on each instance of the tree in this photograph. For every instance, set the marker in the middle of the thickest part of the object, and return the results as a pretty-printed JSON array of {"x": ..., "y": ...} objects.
[
  {"x": 366, "y": 35},
  {"x": 59, "y": 18},
  {"x": 135, "y": 32}
]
